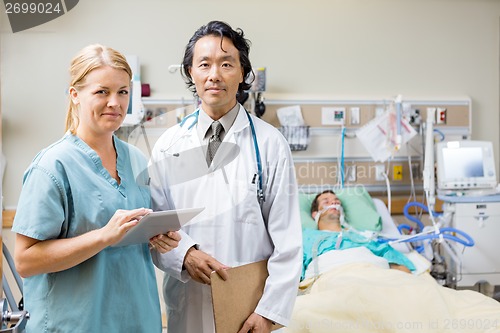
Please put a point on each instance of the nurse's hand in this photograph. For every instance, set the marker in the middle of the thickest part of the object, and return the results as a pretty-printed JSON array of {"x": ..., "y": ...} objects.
[
  {"x": 256, "y": 324},
  {"x": 165, "y": 243},
  {"x": 200, "y": 265},
  {"x": 121, "y": 222}
]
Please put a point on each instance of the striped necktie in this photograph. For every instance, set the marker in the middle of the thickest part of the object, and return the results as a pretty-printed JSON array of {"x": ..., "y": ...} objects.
[{"x": 214, "y": 141}]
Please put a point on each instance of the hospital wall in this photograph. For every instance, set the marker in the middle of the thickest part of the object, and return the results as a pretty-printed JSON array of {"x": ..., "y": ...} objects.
[{"x": 314, "y": 50}]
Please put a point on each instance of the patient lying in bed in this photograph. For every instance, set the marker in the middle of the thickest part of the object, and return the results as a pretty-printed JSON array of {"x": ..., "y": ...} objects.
[
  {"x": 321, "y": 246},
  {"x": 349, "y": 288}
]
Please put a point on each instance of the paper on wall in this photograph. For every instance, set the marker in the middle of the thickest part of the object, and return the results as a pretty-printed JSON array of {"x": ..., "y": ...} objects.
[
  {"x": 290, "y": 116},
  {"x": 379, "y": 136}
]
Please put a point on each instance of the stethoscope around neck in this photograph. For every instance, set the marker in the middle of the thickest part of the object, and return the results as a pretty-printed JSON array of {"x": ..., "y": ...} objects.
[{"x": 260, "y": 190}]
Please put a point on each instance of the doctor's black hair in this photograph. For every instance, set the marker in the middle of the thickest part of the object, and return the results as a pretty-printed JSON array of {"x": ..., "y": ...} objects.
[
  {"x": 237, "y": 37},
  {"x": 314, "y": 204}
]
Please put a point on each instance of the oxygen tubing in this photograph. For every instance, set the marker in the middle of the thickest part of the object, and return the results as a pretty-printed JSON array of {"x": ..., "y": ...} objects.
[
  {"x": 414, "y": 219},
  {"x": 446, "y": 233}
]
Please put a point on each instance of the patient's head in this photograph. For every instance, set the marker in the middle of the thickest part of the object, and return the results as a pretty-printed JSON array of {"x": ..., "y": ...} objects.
[{"x": 326, "y": 216}]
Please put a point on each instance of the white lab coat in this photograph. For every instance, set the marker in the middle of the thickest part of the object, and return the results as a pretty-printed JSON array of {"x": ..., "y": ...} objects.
[{"x": 233, "y": 228}]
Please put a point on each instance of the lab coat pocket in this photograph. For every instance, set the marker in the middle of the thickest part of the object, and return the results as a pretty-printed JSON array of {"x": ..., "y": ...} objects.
[
  {"x": 247, "y": 214},
  {"x": 244, "y": 202}
]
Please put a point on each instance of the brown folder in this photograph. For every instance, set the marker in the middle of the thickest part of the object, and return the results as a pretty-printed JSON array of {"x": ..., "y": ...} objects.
[{"x": 235, "y": 300}]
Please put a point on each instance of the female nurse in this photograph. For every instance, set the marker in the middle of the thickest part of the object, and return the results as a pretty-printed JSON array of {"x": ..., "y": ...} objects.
[{"x": 80, "y": 196}]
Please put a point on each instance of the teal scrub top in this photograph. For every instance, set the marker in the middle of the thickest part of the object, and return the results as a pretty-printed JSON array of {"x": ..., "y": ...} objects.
[
  {"x": 67, "y": 192},
  {"x": 325, "y": 241}
]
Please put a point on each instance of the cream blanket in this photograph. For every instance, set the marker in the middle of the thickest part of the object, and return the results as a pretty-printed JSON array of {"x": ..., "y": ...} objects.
[{"x": 362, "y": 297}]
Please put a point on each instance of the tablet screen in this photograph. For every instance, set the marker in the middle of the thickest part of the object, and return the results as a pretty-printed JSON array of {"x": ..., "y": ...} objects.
[{"x": 156, "y": 223}]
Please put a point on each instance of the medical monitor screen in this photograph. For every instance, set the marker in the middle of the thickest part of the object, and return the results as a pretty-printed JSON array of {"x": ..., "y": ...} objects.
[{"x": 465, "y": 165}]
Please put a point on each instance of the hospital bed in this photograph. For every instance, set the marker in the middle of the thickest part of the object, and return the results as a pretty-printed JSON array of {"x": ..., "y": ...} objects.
[{"x": 344, "y": 295}]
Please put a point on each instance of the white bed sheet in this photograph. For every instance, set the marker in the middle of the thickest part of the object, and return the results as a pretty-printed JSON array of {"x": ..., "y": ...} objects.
[
  {"x": 356, "y": 292},
  {"x": 332, "y": 259},
  {"x": 362, "y": 297}
]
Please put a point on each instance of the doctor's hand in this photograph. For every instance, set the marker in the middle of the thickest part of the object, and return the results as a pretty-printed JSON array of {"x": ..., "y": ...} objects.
[
  {"x": 200, "y": 265},
  {"x": 256, "y": 324},
  {"x": 165, "y": 243}
]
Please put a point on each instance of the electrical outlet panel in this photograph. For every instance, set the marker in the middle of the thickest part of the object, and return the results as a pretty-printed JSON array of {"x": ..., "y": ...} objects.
[
  {"x": 415, "y": 117},
  {"x": 332, "y": 115},
  {"x": 350, "y": 174},
  {"x": 397, "y": 172},
  {"x": 379, "y": 172},
  {"x": 355, "y": 116},
  {"x": 415, "y": 171},
  {"x": 441, "y": 116},
  {"x": 379, "y": 111}
]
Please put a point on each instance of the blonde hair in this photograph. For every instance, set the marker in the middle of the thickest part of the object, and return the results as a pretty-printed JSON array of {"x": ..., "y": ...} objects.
[{"x": 89, "y": 58}]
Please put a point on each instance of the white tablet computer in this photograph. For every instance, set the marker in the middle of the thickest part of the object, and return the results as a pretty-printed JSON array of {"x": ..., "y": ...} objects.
[{"x": 156, "y": 223}]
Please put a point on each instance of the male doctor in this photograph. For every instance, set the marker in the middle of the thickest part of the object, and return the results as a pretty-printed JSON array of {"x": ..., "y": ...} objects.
[{"x": 239, "y": 223}]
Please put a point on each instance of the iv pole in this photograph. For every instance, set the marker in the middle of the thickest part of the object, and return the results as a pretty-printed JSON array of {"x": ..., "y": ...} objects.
[{"x": 428, "y": 172}]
